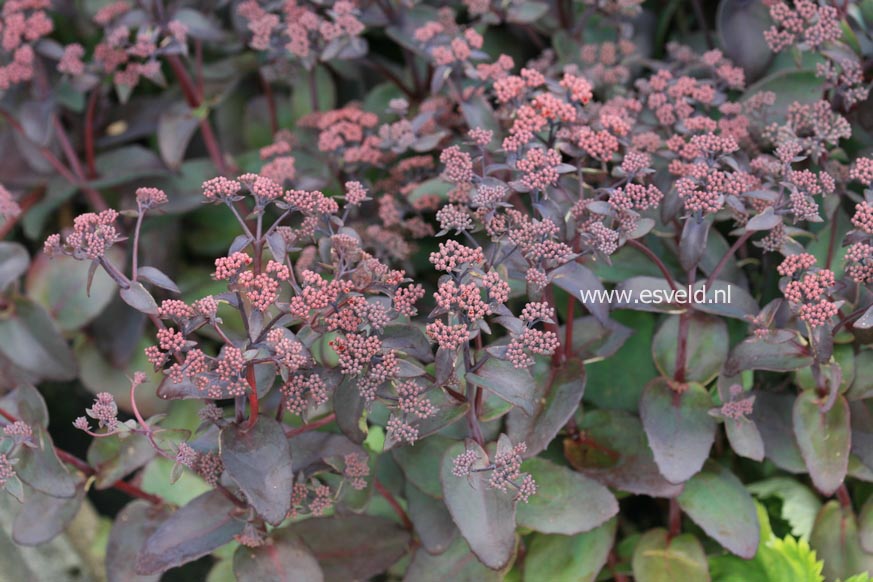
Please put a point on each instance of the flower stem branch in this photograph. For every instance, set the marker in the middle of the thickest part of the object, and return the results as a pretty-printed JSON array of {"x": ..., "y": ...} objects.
[
  {"x": 395, "y": 505},
  {"x": 290, "y": 433}
]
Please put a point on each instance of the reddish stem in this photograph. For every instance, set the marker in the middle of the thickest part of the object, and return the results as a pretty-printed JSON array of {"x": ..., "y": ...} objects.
[
  {"x": 271, "y": 103},
  {"x": 843, "y": 496},
  {"x": 192, "y": 97},
  {"x": 89, "y": 133},
  {"x": 724, "y": 259},
  {"x": 395, "y": 505},
  {"x": 655, "y": 259},
  {"x": 311, "y": 426},
  {"x": 675, "y": 519},
  {"x": 94, "y": 198},
  {"x": 254, "y": 405}
]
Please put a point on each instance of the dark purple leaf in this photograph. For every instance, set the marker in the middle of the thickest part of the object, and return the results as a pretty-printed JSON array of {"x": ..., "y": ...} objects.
[
  {"x": 679, "y": 427},
  {"x": 43, "y": 517},
  {"x": 555, "y": 403},
  {"x": 349, "y": 408},
  {"x": 615, "y": 452},
  {"x": 137, "y": 297},
  {"x": 195, "y": 530},
  {"x": 421, "y": 463},
  {"x": 574, "y": 278},
  {"x": 772, "y": 416},
  {"x": 515, "y": 385},
  {"x": 431, "y": 519},
  {"x": 457, "y": 564},
  {"x": 283, "y": 559},
  {"x": 755, "y": 354},
  {"x": 27, "y": 404},
  {"x": 157, "y": 278},
  {"x": 132, "y": 527},
  {"x": 115, "y": 458},
  {"x": 259, "y": 460},
  {"x": 40, "y": 467},
  {"x": 352, "y": 547},
  {"x": 745, "y": 438},
  {"x": 176, "y": 126},
  {"x": 692, "y": 245}
]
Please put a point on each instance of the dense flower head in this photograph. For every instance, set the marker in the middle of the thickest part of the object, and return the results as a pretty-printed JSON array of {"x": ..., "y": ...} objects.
[{"x": 92, "y": 236}]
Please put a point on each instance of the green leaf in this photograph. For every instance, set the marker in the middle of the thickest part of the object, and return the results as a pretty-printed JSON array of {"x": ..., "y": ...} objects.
[
  {"x": 284, "y": 559},
  {"x": 566, "y": 502},
  {"x": 577, "y": 558},
  {"x": 824, "y": 439},
  {"x": 485, "y": 516},
  {"x": 718, "y": 502},
  {"x": 707, "y": 347},
  {"x": 515, "y": 385},
  {"x": 799, "y": 504},
  {"x": 421, "y": 464},
  {"x": 114, "y": 458},
  {"x": 776, "y": 559},
  {"x": 679, "y": 427},
  {"x": 658, "y": 558},
  {"x": 259, "y": 460}
]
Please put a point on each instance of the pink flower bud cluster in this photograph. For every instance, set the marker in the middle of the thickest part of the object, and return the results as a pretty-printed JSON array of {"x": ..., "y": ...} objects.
[
  {"x": 22, "y": 24},
  {"x": 807, "y": 24},
  {"x": 92, "y": 236},
  {"x": 302, "y": 392},
  {"x": 505, "y": 470},
  {"x": 356, "y": 470}
]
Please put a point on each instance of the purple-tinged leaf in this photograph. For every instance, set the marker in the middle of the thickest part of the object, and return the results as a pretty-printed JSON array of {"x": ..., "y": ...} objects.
[
  {"x": 755, "y": 354},
  {"x": 836, "y": 542},
  {"x": 628, "y": 294},
  {"x": 726, "y": 300},
  {"x": 865, "y": 526},
  {"x": 574, "y": 279},
  {"x": 137, "y": 297},
  {"x": 772, "y": 416},
  {"x": 679, "y": 427},
  {"x": 660, "y": 558},
  {"x": 718, "y": 502},
  {"x": 866, "y": 320},
  {"x": 745, "y": 438},
  {"x": 132, "y": 527},
  {"x": 457, "y": 564},
  {"x": 555, "y": 402},
  {"x": 352, "y": 547},
  {"x": 615, "y": 452},
  {"x": 309, "y": 449},
  {"x": 485, "y": 516},
  {"x": 421, "y": 464},
  {"x": 692, "y": 244},
  {"x": 283, "y": 559},
  {"x": 449, "y": 411},
  {"x": 14, "y": 260},
  {"x": 348, "y": 404},
  {"x": 60, "y": 284},
  {"x": 766, "y": 220},
  {"x": 176, "y": 126},
  {"x": 33, "y": 343},
  {"x": 515, "y": 385},
  {"x": 566, "y": 502},
  {"x": 43, "y": 517},
  {"x": 707, "y": 344},
  {"x": 40, "y": 468},
  {"x": 195, "y": 530},
  {"x": 27, "y": 404},
  {"x": 158, "y": 278},
  {"x": 431, "y": 519},
  {"x": 259, "y": 461},
  {"x": 824, "y": 439},
  {"x": 741, "y": 26},
  {"x": 116, "y": 458}
]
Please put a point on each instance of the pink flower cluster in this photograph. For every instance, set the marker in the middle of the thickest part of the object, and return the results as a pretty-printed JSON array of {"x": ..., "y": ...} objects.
[
  {"x": 92, "y": 236},
  {"x": 22, "y": 24}
]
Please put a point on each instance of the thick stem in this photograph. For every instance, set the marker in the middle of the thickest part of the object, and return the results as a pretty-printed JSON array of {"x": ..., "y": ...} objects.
[
  {"x": 395, "y": 505},
  {"x": 254, "y": 405},
  {"x": 656, "y": 260},
  {"x": 94, "y": 197},
  {"x": 726, "y": 257},
  {"x": 843, "y": 496},
  {"x": 675, "y": 519},
  {"x": 271, "y": 103}
]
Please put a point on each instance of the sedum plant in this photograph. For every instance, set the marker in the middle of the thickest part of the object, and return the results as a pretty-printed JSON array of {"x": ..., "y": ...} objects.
[{"x": 480, "y": 290}]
